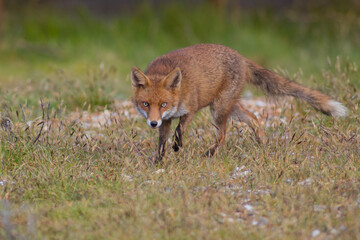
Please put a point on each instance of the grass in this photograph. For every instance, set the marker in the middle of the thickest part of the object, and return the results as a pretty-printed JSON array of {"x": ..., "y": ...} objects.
[
  {"x": 61, "y": 179},
  {"x": 71, "y": 182}
]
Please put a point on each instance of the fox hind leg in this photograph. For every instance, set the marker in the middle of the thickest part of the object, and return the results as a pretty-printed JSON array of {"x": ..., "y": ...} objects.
[
  {"x": 250, "y": 119},
  {"x": 220, "y": 111}
]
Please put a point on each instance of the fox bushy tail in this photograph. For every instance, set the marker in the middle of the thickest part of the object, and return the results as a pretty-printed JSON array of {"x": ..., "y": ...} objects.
[{"x": 276, "y": 85}]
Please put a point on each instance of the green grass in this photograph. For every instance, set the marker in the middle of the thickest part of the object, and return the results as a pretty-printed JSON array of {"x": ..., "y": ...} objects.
[
  {"x": 61, "y": 180},
  {"x": 72, "y": 182}
]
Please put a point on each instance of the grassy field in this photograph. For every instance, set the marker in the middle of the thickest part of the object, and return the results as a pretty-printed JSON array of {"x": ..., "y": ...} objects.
[{"x": 64, "y": 178}]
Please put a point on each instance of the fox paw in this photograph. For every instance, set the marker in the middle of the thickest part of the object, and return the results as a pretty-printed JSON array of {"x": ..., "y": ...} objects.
[
  {"x": 158, "y": 160},
  {"x": 176, "y": 147}
]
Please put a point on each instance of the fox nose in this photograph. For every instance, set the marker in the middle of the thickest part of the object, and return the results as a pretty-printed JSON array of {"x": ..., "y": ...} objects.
[{"x": 153, "y": 124}]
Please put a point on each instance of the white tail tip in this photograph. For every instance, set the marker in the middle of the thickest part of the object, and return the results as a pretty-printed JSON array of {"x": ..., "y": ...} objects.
[{"x": 337, "y": 109}]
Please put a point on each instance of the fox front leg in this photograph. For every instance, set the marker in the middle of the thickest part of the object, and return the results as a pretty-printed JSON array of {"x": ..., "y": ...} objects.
[
  {"x": 163, "y": 136},
  {"x": 180, "y": 130},
  {"x": 177, "y": 138}
]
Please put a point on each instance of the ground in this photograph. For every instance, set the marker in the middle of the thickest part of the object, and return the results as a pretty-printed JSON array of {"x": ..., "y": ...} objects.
[{"x": 89, "y": 175}]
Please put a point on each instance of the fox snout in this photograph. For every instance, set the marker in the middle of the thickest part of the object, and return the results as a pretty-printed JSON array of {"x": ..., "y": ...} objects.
[
  {"x": 154, "y": 124},
  {"x": 150, "y": 122}
]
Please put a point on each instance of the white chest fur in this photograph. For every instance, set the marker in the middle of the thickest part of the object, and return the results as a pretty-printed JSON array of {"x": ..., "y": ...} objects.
[
  {"x": 174, "y": 112},
  {"x": 180, "y": 112}
]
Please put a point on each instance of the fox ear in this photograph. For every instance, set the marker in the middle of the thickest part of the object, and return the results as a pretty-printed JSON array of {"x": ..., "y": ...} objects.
[
  {"x": 138, "y": 78},
  {"x": 173, "y": 79}
]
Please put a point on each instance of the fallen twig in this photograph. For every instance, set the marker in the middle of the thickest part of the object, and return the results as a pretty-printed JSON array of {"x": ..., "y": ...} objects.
[{"x": 42, "y": 123}]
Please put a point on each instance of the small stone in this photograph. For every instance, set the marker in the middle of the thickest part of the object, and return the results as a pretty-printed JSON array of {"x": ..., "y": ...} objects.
[
  {"x": 159, "y": 171},
  {"x": 315, "y": 233},
  {"x": 249, "y": 207},
  {"x": 305, "y": 182}
]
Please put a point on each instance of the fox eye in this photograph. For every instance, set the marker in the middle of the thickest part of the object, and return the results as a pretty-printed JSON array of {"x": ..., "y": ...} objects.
[
  {"x": 146, "y": 104},
  {"x": 163, "y": 104}
]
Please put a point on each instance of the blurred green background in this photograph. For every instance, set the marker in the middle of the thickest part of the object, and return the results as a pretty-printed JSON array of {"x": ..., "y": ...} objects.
[{"x": 81, "y": 52}]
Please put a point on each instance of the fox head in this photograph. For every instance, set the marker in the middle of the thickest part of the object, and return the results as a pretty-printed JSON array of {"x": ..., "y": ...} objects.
[{"x": 156, "y": 97}]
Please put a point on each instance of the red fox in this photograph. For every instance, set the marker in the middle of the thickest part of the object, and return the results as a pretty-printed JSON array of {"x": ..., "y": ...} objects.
[{"x": 181, "y": 82}]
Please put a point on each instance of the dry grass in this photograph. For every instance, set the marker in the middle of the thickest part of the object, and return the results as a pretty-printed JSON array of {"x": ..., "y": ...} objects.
[{"x": 89, "y": 175}]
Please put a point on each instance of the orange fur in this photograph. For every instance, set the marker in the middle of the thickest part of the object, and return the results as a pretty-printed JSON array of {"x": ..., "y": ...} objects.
[{"x": 180, "y": 83}]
